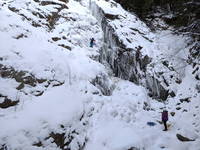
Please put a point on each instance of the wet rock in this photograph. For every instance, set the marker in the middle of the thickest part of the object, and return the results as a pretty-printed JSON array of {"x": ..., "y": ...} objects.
[{"x": 183, "y": 138}]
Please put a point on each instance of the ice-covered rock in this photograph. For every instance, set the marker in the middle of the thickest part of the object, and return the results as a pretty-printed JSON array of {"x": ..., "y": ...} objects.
[{"x": 128, "y": 47}]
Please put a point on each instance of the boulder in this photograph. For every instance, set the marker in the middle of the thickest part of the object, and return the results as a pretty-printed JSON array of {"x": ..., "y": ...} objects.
[
  {"x": 8, "y": 103},
  {"x": 183, "y": 138},
  {"x": 172, "y": 113}
]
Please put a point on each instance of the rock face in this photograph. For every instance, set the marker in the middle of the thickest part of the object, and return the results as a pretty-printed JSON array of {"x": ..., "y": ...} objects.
[
  {"x": 182, "y": 15},
  {"x": 102, "y": 83},
  {"x": 126, "y": 62},
  {"x": 23, "y": 78},
  {"x": 20, "y": 76}
]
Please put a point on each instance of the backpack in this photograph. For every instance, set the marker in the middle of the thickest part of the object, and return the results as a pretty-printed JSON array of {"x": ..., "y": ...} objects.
[{"x": 165, "y": 115}]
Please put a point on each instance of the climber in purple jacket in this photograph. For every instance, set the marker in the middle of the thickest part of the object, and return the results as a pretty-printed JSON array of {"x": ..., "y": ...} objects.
[{"x": 165, "y": 119}]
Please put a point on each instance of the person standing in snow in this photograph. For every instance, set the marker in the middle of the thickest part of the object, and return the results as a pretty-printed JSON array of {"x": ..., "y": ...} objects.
[
  {"x": 165, "y": 119},
  {"x": 92, "y": 42}
]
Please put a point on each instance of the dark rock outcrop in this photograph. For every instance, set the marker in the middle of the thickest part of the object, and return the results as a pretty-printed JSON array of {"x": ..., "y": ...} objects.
[
  {"x": 183, "y": 138},
  {"x": 7, "y": 102},
  {"x": 23, "y": 77}
]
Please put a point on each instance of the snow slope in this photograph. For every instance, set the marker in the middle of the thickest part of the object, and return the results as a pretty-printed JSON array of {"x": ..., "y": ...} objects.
[{"x": 57, "y": 85}]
